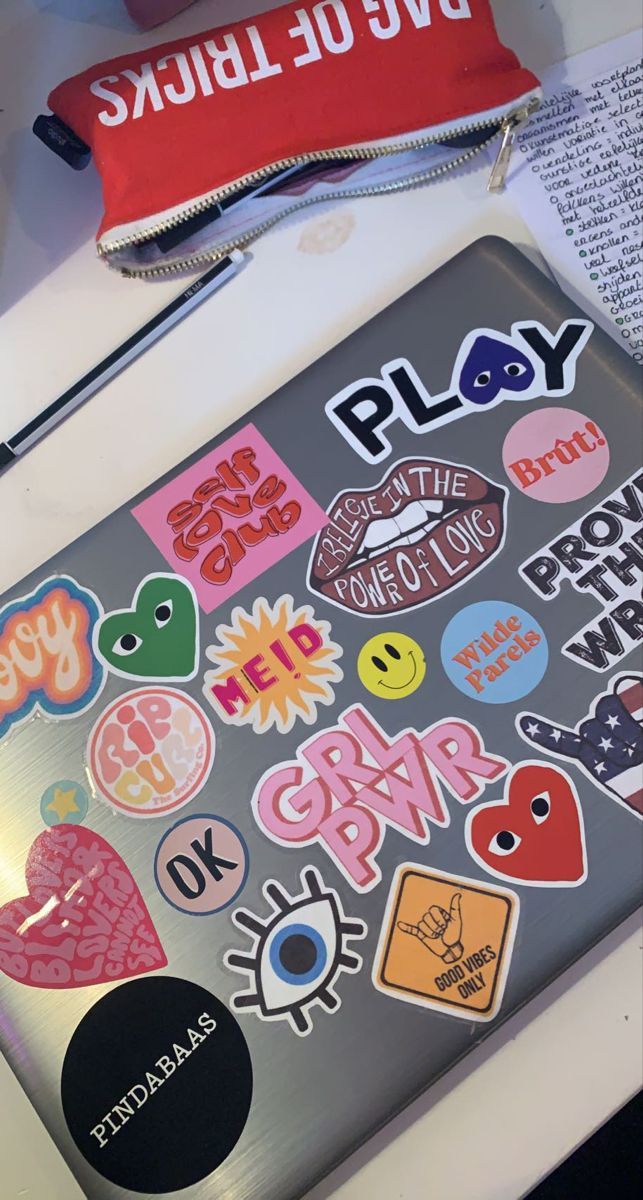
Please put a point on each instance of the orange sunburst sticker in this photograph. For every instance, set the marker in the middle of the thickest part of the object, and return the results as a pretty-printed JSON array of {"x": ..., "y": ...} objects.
[{"x": 272, "y": 666}]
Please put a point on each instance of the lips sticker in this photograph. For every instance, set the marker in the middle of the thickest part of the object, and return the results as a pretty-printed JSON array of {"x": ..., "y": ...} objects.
[
  {"x": 424, "y": 530},
  {"x": 493, "y": 367},
  {"x": 83, "y": 921},
  {"x": 535, "y": 835},
  {"x": 158, "y": 637}
]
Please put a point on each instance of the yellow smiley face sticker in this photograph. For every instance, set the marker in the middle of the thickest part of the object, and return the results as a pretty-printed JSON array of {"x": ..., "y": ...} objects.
[{"x": 391, "y": 665}]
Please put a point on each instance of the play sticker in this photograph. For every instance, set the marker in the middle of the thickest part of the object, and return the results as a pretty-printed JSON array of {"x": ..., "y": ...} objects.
[{"x": 446, "y": 943}]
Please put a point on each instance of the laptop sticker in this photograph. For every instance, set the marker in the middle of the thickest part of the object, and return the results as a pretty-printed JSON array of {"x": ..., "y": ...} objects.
[
  {"x": 490, "y": 368},
  {"x": 169, "y": 1088},
  {"x": 83, "y": 920},
  {"x": 535, "y": 835},
  {"x": 151, "y": 752},
  {"x": 425, "y": 529},
  {"x": 607, "y": 745},
  {"x": 556, "y": 455},
  {"x": 601, "y": 556},
  {"x": 47, "y": 664},
  {"x": 272, "y": 666},
  {"x": 158, "y": 637},
  {"x": 391, "y": 666},
  {"x": 349, "y": 783},
  {"x": 298, "y": 953},
  {"x": 64, "y": 803},
  {"x": 494, "y": 652},
  {"x": 201, "y": 864},
  {"x": 446, "y": 943},
  {"x": 229, "y": 517}
]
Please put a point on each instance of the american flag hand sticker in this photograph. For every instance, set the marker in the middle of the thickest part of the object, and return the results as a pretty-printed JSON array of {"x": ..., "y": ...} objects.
[{"x": 607, "y": 745}]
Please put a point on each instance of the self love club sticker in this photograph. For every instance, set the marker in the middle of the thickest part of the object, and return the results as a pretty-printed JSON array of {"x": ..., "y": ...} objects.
[
  {"x": 201, "y": 864},
  {"x": 158, "y": 637},
  {"x": 607, "y": 745},
  {"x": 151, "y": 752},
  {"x": 298, "y": 953},
  {"x": 348, "y": 784},
  {"x": 494, "y": 652},
  {"x": 427, "y": 528},
  {"x": 535, "y": 835},
  {"x": 446, "y": 943},
  {"x": 230, "y": 517},
  {"x": 83, "y": 920},
  {"x": 272, "y": 666},
  {"x": 156, "y": 1085},
  {"x": 556, "y": 455},
  {"x": 601, "y": 556},
  {"x": 47, "y": 664}
]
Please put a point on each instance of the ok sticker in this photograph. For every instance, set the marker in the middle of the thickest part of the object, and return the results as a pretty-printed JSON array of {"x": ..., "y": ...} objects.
[
  {"x": 201, "y": 865},
  {"x": 151, "y": 752}
]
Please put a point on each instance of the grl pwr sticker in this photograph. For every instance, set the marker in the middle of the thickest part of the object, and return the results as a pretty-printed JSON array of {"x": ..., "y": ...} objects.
[
  {"x": 423, "y": 531},
  {"x": 272, "y": 666}
]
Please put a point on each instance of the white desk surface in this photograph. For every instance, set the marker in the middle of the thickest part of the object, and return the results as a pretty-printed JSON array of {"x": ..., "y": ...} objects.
[{"x": 519, "y": 1104}]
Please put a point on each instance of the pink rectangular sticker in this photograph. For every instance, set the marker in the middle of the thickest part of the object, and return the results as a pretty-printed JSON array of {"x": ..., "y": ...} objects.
[{"x": 231, "y": 516}]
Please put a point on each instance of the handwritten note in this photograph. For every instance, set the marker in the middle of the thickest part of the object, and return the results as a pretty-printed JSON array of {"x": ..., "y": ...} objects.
[{"x": 577, "y": 179}]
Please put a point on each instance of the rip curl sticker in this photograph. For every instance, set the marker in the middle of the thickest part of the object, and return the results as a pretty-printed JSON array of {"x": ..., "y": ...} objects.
[
  {"x": 272, "y": 666},
  {"x": 535, "y": 834},
  {"x": 158, "y": 637},
  {"x": 156, "y": 1085},
  {"x": 446, "y": 943},
  {"x": 83, "y": 920},
  {"x": 556, "y": 455},
  {"x": 47, "y": 664},
  {"x": 600, "y": 555},
  {"x": 491, "y": 367},
  {"x": 427, "y": 528},
  {"x": 151, "y": 752},
  {"x": 298, "y": 953},
  {"x": 228, "y": 518}
]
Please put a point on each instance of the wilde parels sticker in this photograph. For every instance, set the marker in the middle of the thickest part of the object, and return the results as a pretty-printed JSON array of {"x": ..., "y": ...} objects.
[
  {"x": 298, "y": 953},
  {"x": 47, "y": 664},
  {"x": 156, "y": 1085},
  {"x": 490, "y": 368},
  {"x": 158, "y": 637},
  {"x": 83, "y": 920},
  {"x": 607, "y": 745},
  {"x": 229, "y": 517},
  {"x": 494, "y": 652},
  {"x": 423, "y": 531},
  {"x": 535, "y": 835},
  {"x": 446, "y": 943},
  {"x": 601, "y": 555},
  {"x": 272, "y": 666},
  {"x": 349, "y": 783}
]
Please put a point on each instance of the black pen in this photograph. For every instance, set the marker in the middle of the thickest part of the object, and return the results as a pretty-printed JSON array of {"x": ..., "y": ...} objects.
[{"x": 119, "y": 358}]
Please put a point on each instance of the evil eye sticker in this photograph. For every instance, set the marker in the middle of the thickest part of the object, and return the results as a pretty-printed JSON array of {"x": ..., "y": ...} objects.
[
  {"x": 47, "y": 662},
  {"x": 298, "y": 953},
  {"x": 535, "y": 835},
  {"x": 158, "y": 637}
]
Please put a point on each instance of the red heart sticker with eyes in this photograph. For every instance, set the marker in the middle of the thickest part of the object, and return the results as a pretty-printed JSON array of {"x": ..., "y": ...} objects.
[
  {"x": 535, "y": 835},
  {"x": 84, "y": 920}
]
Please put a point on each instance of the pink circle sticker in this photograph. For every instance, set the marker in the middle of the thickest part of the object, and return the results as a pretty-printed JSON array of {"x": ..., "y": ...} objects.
[
  {"x": 556, "y": 455},
  {"x": 151, "y": 751},
  {"x": 201, "y": 864}
]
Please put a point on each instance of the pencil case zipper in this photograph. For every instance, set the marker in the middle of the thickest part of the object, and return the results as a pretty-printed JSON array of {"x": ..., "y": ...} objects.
[{"x": 504, "y": 126}]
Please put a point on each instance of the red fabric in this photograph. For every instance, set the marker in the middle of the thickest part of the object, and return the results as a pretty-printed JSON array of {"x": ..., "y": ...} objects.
[{"x": 305, "y": 77}]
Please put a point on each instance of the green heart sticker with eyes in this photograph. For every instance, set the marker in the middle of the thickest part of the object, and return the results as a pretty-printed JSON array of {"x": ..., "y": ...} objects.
[{"x": 158, "y": 637}]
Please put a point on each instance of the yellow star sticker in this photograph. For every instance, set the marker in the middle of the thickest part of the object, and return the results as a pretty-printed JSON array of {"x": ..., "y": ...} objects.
[{"x": 63, "y": 803}]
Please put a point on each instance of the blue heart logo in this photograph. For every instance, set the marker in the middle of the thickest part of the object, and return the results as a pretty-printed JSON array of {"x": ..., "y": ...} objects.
[{"x": 493, "y": 367}]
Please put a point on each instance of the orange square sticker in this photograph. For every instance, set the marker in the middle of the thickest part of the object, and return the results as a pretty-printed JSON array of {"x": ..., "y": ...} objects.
[{"x": 446, "y": 942}]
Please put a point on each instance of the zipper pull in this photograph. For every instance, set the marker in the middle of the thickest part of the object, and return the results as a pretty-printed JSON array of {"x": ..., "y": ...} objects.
[{"x": 510, "y": 127}]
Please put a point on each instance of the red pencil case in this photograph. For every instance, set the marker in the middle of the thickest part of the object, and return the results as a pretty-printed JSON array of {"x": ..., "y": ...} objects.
[{"x": 205, "y": 142}]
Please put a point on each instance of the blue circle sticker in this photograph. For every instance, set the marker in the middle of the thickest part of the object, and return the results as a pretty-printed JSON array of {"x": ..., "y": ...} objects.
[
  {"x": 64, "y": 803},
  {"x": 494, "y": 652}
]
